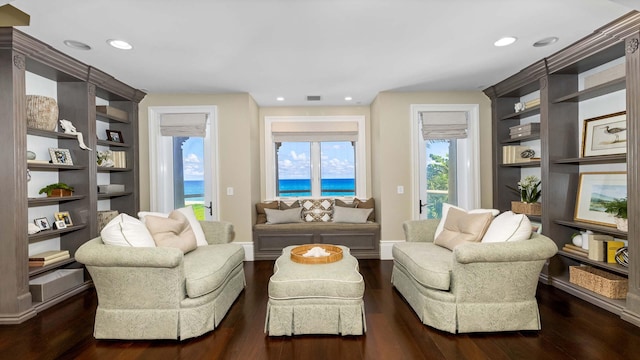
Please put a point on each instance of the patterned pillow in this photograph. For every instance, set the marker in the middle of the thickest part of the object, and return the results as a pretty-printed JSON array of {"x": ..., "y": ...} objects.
[{"x": 317, "y": 209}]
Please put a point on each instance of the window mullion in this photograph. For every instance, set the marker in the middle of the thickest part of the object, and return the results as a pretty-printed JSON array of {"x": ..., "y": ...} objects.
[{"x": 315, "y": 169}]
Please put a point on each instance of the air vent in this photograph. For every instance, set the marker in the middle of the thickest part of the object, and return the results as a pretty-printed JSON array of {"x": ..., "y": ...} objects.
[{"x": 313, "y": 97}]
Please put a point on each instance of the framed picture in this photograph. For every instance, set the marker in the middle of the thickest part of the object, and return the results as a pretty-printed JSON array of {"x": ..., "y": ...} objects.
[
  {"x": 59, "y": 224},
  {"x": 593, "y": 190},
  {"x": 42, "y": 223},
  {"x": 60, "y": 156},
  {"x": 64, "y": 216},
  {"x": 605, "y": 135},
  {"x": 115, "y": 136}
]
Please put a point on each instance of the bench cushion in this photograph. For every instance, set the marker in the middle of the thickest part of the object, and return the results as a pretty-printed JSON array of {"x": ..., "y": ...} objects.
[
  {"x": 428, "y": 263},
  {"x": 207, "y": 267},
  {"x": 337, "y": 280}
]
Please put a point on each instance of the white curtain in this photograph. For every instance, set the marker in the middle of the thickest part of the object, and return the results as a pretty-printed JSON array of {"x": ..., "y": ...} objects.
[
  {"x": 441, "y": 125},
  {"x": 183, "y": 125}
]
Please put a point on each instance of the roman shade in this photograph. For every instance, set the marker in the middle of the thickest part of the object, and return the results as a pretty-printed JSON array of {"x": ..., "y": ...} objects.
[
  {"x": 183, "y": 125},
  {"x": 314, "y": 131},
  {"x": 442, "y": 125}
]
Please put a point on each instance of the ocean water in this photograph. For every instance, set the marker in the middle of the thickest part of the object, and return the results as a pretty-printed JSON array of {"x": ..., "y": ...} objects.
[
  {"x": 330, "y": 187},
  {"x": 194, "y": 189}
]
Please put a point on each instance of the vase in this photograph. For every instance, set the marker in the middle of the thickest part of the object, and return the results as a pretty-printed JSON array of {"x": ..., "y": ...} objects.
[
  {"x": 526, "y": 208},
  {"x": 622, "y": 224}
]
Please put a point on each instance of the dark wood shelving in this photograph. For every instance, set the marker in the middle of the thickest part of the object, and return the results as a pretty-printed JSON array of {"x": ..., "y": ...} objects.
[
  {"x": 616, "y": 268},
  {"x": 53, "y": 200},
  {"x": 112, "y": 169},
  {"x": 48, "y": 234},
  {"x": 33, "y": 271},
  {"x": 523, "y": 164},
  {"x": 594, "y": 92},
  {"x": 112, "y": 144},
  {"x": 53, "y": 167},
  {"x": 521, "y": 139},
  {"x": 608, "y": 230},
  {"x": 523, "y": 114},
  {"x": 603, "y": 159},
  {"x": 109, "y": 118},
  {"x": 50, "y": 134},
  {"x": 114, "y": 195}
]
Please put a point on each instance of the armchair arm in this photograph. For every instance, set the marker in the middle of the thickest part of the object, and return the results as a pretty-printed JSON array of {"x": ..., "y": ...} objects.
[
  {"x": 420, "y": 230},
  {"x": 218, "y": 232},
  {"x": 96, "y": 253},
  {"x": 539, "y": 247}
]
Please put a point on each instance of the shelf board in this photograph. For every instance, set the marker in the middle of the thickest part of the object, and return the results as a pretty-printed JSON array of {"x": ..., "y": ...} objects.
[
  {"x": 47, "y": 234},
  {"x": 522, "y": 138},
  {"x": 33, "y": 271},
  {"x": 604, "y": 159},
  {"x": 40, "y": 306},
  {"x": 112, "y": 144},
  {"x": 595, "y": 91},
  {"x": 596, "y": 228},
  {"x": 112, "y": 169},
  {"x": 49, "y": 166},
  {"x": 523, "y": 114},
  {"x": 616, "y": 268},
  {"x": 523, "y": 164},
  {"x": 611, "y": 305},
  {"x": 112, "y": 195},
  {"x": 50, "y": 134},
  {"x": 109, "y": 118},
  {"x": 53, "y": 200}
]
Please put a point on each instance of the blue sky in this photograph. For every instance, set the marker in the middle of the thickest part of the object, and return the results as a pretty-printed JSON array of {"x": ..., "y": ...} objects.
[
  {"x": 192, "y": 157},
  {"x": 337, "y": 162}
]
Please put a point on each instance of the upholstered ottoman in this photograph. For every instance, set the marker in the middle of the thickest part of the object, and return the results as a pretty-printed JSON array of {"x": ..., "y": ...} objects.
[{"x": 315, "y": 298}]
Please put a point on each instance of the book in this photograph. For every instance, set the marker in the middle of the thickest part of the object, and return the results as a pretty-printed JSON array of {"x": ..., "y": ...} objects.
[
  {"x": 598, "y": 246},
  {"x": 574, "y": 252},
  {"x": 40, "y": 263},
  {"x": 47, "y": 255},
  {"x": 511, "y": 154},
  {"x": 576, "y": 248},
  {"x": 612, "y": 247}
]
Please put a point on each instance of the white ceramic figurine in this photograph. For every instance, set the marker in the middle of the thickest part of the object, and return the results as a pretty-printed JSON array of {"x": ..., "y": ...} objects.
[{"x": 68, "y": 128}]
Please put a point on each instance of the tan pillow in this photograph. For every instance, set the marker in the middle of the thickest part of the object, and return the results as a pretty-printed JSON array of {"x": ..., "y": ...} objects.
[
  {"x": 462, "y": 227},
  {"x": 284, "y": 206},
  {"x": 367, "y": 204},
  {"x": 262, "y": 217},
  {"x": 341, "y": 203},
  {"x": 173, "y": 231}
]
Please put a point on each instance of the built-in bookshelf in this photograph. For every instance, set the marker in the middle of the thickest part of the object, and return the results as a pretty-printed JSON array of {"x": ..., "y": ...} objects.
[{"x": 566, "y": 101}]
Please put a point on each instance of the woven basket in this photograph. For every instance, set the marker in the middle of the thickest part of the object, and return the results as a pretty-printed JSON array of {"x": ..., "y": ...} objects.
[
  {"x": 526, "y": 208},
  {"x": 42, "y": 112},
  {"x": 599, "y": 281},
  {"x": 335, "y": 254}
]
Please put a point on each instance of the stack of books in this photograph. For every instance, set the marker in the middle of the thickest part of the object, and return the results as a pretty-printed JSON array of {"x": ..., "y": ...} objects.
[
  {"x": 119, "y": 159},
  {"x": 48, "y": 258},
  {"x": 531, "y": 103},
  {"x": 575, "y": 250},
  {"x": 512, "y": 154}
]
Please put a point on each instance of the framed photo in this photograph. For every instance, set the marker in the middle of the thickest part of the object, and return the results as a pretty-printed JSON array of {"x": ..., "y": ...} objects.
[
  {"x": 115, "y": 136},
  {"x": 63, "y": 216},
  {"x": 60, "y": 156},
  {"x": 605, "y": 135},
  {"x": 59, "y": 224},
  {"x": 42, "y": 223},
  {"x": 593, "y": 190}
]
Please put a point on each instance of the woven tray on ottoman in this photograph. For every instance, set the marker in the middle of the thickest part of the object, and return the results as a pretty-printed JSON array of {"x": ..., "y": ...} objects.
[{"x": 315, "y": 298}]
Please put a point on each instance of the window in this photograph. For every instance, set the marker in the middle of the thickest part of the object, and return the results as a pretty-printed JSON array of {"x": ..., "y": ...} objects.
[{"x": 315, "y": 157}]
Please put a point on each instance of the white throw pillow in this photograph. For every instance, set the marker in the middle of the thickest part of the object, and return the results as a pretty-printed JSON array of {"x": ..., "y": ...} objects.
[
  {"x": 508, "y": 227},
  {"x": 283, "y": 216},
  {"x": 187, "y": 211},
  {"x": 125, "y": 230},
  {"x": 445, "y": 210},
  {"x": 350, "y": 215}
]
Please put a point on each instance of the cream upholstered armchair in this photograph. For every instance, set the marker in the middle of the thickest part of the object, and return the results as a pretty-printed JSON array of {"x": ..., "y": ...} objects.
[
  {"x": 160, "y": 292},
  {"x": 477, "y": 287}
]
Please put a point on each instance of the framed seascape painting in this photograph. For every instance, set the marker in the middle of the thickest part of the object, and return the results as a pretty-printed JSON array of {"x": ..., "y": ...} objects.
[
  {"x": 593, "y": 190},
  {"x": 605, "y": 135}
]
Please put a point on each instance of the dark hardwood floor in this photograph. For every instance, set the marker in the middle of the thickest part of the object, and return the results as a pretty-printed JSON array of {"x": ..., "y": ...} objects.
[{"x": 571, "y": 329}]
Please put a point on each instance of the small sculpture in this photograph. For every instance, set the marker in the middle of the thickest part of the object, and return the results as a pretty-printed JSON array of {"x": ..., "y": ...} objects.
[
  {"x": 32, "y": 229},
  {"x": 316, "y": 251},
  {"x": 68, "y": 128}
]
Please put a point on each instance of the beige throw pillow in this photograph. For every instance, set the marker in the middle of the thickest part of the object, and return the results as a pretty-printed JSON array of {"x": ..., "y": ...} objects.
[
  {"x": 173, "y": 231},
  {"x": 262, "y": 216},
  {"x": 461, "y": 227}
]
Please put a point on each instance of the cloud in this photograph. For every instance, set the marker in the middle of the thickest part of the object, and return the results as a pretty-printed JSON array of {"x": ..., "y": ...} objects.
[{"x": 193, "y": 167}]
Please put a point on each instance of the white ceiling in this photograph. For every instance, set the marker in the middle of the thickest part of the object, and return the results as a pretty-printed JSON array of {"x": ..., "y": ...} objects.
[{"x": 331, "y": 48}]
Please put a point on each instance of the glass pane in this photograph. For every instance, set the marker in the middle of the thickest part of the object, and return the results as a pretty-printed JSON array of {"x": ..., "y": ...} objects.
[
  {"x": 293, "y": 175},
  {"x": 441, "y": 181},
  {"x": 188, "y": 174},
  {"x": 337, "y": 169}
]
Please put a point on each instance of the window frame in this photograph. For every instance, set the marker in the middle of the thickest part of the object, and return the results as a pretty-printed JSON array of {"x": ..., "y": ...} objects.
[{"x": 360, "y": 154}]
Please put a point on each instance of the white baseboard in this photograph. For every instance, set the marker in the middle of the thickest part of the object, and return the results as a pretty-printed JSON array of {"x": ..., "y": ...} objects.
[
  {"x": 248, "y": 249},
  {"x": 385, "y": 249}
]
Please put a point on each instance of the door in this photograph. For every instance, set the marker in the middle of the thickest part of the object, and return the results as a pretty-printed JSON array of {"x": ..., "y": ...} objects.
[{"x": 182, "y": 160}]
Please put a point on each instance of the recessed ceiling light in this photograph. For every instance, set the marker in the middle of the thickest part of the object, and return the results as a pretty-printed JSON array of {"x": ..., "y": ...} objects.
[
  {"x": 77, "y": 45},
  {"x": 119, "y": 44},
  {"x": 280, "y": 98},
  {"x": 545, "y": 41},
  {"x": 348, "y": 98},
  {"x": 507, "y": 40}
]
